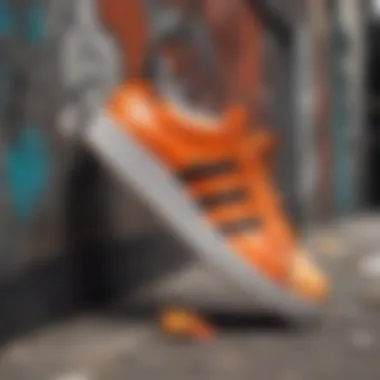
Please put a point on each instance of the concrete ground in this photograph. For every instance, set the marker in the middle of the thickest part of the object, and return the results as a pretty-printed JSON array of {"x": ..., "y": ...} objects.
[{"x": 114, "y": 346}]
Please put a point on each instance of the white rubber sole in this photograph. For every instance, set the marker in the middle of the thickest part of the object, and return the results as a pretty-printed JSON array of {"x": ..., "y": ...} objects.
[{"x": 139, "y": 170}]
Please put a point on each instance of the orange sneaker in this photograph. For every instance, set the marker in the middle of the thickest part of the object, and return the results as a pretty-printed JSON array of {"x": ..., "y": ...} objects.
[
  {"x": 206, "y": 176},
  {"x": 207, "y": 179}
]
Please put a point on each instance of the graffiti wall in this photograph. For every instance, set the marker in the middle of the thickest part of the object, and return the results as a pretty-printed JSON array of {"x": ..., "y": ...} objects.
[{"x": 30, "y": 151}]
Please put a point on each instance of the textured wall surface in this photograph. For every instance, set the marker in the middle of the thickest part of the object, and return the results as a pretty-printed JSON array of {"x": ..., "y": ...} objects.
[{"x": 31, "y": 155}]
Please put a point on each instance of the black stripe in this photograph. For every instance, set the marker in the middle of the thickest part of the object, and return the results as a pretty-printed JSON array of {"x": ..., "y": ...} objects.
[
  {"x": 227, "y": 197},
  {"x": 201, "y": 171},
  {"x": 239, "y": 226}
]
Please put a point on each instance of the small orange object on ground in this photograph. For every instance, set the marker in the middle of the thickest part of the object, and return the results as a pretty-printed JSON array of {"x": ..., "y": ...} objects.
[{"x": 183, "y": 323}]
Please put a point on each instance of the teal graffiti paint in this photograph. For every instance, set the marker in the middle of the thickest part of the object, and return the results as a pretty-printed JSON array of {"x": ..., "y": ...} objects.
[
  {"x": 35, "y": 22},
  {"x": 5, "y": 74},
  {"x": 27, "y": 164},
  {"x": 6, "y": 18},
  {"x": 32, "y": 22}
]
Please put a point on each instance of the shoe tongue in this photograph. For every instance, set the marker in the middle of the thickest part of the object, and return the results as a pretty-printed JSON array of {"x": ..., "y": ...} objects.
[{"x": 235, "y": 122}]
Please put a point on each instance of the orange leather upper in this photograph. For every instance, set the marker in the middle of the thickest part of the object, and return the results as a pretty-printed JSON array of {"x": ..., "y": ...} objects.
[{"x": 179, "y": 141}]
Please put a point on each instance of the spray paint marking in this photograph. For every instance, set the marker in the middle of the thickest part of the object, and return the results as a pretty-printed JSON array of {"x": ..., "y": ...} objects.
[
  {"x": 32, "y": 22},
  {"x": 6, "y": 18},
  {"x": 26, "y": 161},
  {"x": 26, "y": 171},
  {"x": 35, "y": 22}
]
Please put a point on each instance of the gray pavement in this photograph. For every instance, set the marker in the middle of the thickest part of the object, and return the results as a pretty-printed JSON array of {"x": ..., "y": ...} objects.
[{"x": 114, "y": 346}]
